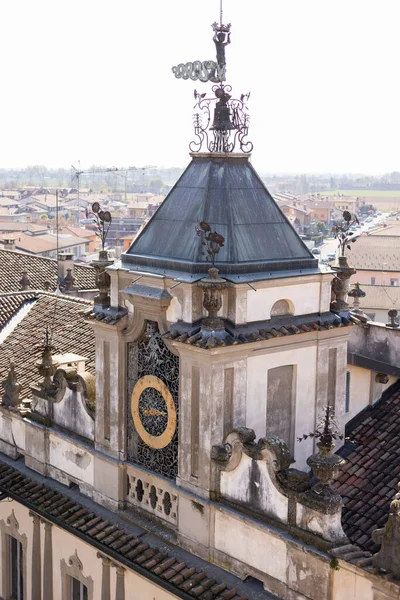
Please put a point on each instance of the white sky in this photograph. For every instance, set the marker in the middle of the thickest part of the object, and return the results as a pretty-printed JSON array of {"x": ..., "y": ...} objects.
[{"x": 92, "y": 80}]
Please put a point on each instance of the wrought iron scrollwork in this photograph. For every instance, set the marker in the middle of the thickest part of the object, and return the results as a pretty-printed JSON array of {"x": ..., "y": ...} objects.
[
  {"x": 150, "y": 356},
  {"x": 230, "y": 126}
]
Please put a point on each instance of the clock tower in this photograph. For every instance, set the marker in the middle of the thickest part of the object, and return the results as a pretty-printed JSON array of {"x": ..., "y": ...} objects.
[{"x": 219, "y": 321}]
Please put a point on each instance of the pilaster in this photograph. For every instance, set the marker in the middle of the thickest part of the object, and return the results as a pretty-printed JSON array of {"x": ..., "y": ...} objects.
[
  {"x": 48, "y": 562},
  {"x": 105, "y": 577},
  {"x": 212, "y": 401},
  {"x": 120, "y": 584},
  {"x": 110, "y": 433},
  {"x": 36, "y": 586}
]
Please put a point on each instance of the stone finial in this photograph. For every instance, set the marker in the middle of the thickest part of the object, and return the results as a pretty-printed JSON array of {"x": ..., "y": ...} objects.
[
  {"x": 12, "y": 388},
  {"x": 325, "y": 465},
  {"x": 46, "y": 366},
  {"x": 212, "y": 299},
  {"x": 25, "y": 281},
  {"x": 103, "y": 279},
  {"x": 388, "y": 557},
  {"x": 69, "y": 281},
  {"x": 392, "y": 314},
  {"x": 341, "y": 284},
  {"x": 356, "y": 293}
]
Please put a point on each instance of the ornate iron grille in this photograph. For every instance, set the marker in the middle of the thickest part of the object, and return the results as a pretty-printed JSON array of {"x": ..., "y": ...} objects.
[{"x": 150, "y": 356}]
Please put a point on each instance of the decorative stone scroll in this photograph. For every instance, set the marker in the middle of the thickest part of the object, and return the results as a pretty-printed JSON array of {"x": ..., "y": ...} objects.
[
  {"x": 258, "y": 476},
  {"x": 70, "y": 401}
]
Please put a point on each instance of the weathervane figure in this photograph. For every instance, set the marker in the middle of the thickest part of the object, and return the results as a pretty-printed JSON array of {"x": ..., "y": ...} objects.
[
  {"x": 208, "y": 70},
  {"x": 222, "y": 37}
]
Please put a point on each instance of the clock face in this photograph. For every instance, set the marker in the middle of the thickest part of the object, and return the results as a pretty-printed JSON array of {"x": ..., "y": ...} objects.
[{"x": 153, "y": 411}]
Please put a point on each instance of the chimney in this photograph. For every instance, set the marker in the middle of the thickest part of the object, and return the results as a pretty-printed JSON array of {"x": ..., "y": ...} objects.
[
  {"x": 9, "y": 243},
  {"x": 64, "y": 263}
]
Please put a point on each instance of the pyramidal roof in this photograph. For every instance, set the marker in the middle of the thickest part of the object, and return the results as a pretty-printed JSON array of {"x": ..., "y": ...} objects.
[{"x": 225, "y": 191}]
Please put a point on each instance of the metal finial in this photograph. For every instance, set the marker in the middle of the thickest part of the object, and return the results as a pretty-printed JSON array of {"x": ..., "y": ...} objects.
[
  {"x": 102, "y": 220},
  {"x": 230, "y": 125},
  {"x": 341, "y": 232},
  {"x": 326, "y": 431},
  {"x": 212, "y": 241}
]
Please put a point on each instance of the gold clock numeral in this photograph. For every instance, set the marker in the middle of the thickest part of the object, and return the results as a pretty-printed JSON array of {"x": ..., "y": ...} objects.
[{"x": 154, "y": 441}]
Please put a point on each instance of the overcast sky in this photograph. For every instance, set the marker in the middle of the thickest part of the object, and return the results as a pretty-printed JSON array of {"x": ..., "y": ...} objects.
[{"x": 91, "y": 80}]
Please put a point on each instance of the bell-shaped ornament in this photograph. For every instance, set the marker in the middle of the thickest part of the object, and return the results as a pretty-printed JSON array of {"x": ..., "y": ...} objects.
[
  {"x": 222, "y": 114},
  {"x": 222, "y": 119}
]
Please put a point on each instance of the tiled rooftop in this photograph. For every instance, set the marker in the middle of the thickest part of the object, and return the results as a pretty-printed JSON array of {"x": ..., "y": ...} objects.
[
  {"x": 11, "y": 303},
  {"x": 368, "y": 481},
  {"x": 136, "y": 549},
  {"x": 268, "y": 331},
  {"x": 375, "y": 252},
  {"x": 46, "y": 242},
  {"x": 71, "y": 333},
  {"x": 380, "y": 296},
  {"x": 39, "y": 270}
]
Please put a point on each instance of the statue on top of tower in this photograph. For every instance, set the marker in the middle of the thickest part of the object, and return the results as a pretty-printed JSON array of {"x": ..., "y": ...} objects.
[{"x": 222, "y": 37}]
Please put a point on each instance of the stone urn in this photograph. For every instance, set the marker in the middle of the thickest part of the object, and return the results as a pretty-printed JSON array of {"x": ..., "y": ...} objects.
[
  {"x": 325, "y": 467},
  {"x": 212, "y": 298}
]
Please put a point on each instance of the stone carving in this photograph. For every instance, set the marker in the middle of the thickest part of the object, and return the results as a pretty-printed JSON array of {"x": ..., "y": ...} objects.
[
  {"x": 388, "y": 557},
  {"x": 103, "y": 280},
  {"x": 46, "y": 366},
  {"x": 69, "y": 281},
  {"x": 356, "y": 293},
  {"x": 212, "y": 299},
  {"x": 25, "y": 281},
  {"x": 75, "y": 561},
  {"x": 325, "y": 465},
  {"x": 392, "y": 314},
  {"x": 341, "y": 284},
  {"x": 83, "y": 383},
  {"x": 12, "y": 522},
  {"x": 11, "y": 387},
  {"x": 258, "y": 476}
]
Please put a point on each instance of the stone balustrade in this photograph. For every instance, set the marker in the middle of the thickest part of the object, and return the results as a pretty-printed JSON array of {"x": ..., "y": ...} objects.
[{"x": 152, "y": 493}]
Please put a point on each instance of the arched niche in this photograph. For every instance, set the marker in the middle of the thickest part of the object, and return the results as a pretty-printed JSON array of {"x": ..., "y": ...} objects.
[{"x": 281, "y": 308}]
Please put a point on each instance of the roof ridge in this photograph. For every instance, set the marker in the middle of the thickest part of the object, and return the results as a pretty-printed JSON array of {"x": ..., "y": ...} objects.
[
  {"x": 38, "y": 293},
  {"x": 44, "y": 258}
]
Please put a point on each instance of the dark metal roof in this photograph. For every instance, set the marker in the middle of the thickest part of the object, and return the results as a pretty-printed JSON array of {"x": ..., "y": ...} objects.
[{"x": 226, "y": 192}]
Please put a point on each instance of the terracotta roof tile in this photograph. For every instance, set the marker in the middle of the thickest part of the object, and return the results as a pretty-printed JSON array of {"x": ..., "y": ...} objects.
[
  {"x": 11, "y": 303},
  {"x": 267, "y": 332},
  {"x": 370, "y": 483},
  {"x": 71, "y": 333},
  {"x": 39, "y": 270},
  {"x": 158, "y": 564}
]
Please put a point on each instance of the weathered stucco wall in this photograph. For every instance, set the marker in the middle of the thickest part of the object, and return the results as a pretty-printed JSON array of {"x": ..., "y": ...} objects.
[
  {"x": 304, "y": 361},
  {"x": 65, "y": 546},
  {"x": 304, "y": 298},
  {"x": 365, "y": 390},
  {"x": 375, "y": 343}
]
